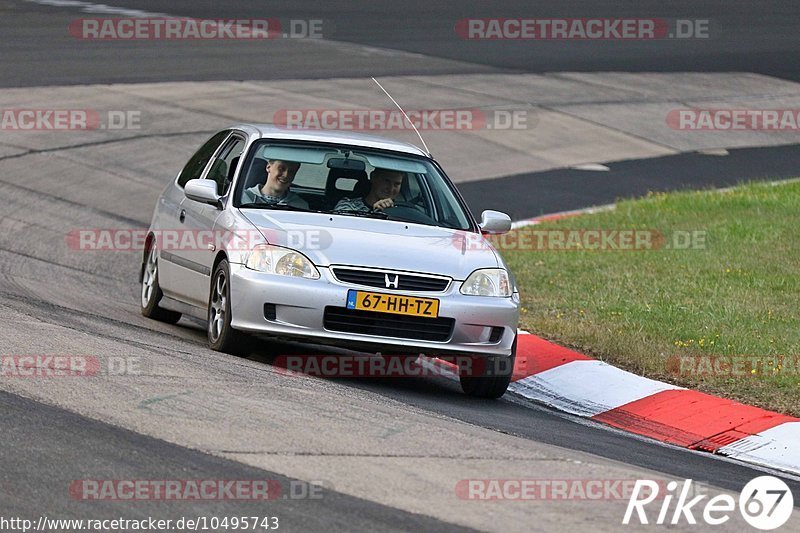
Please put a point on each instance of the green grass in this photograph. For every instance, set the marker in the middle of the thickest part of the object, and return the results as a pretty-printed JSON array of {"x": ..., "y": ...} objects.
[{"x": 736, "y": 295}]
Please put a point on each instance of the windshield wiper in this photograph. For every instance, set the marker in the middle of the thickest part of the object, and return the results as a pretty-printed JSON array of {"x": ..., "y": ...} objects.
[
  {"x": 368, "y": 214},
  {"x": 284, "y": 207}
]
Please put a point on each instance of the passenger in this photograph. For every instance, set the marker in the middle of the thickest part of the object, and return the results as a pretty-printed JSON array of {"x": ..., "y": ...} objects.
[
  {"x": 384, "y": 188},
  {"x": 275, "y": 190}
]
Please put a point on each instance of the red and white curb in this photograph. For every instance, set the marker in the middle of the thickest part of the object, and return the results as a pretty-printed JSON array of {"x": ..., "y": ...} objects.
[
  {"x": 563, "y": 214},
  {"x": 577, "y": 384},
  {"x": 580, "y": 385}
]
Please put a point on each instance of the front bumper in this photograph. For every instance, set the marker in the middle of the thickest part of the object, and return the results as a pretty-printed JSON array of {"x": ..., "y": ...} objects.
[{"x": 300, "y": 303}]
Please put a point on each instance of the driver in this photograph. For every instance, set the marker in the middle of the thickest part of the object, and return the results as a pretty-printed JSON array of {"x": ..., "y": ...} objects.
[{"x": 384, "y": 188}]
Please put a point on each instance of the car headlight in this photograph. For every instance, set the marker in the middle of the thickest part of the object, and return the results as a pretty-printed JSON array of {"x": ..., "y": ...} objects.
[
  {"x": 487, "y": 282},
  {"x": 283, "y": 261}
]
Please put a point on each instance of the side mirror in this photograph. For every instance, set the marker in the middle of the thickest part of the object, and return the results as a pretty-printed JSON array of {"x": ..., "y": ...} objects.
[
  {"x": 493, "y": 222},
  {"x": 204, "y": 191}
]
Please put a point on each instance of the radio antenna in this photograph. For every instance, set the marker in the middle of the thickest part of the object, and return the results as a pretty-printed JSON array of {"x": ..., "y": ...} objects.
[{"x": 404, "y": 114}]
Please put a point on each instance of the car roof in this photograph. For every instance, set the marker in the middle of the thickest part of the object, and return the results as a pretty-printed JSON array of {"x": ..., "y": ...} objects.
[{"x": 269, "y": 131}]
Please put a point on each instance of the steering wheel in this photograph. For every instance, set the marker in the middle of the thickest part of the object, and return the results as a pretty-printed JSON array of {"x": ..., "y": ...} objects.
[
  {"x": 408, "y": 211},
  {"x": 407, "y": 204}
]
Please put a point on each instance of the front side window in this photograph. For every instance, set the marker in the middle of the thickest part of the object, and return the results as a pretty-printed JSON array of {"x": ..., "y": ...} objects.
[
  {"x": 344, "y": 180},
  {"x": 194, "y": 168},
  {"x": 224, "y": 165}
]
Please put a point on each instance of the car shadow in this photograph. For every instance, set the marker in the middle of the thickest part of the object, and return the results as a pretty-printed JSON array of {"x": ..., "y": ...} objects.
[{"x": 277, "y": 353}]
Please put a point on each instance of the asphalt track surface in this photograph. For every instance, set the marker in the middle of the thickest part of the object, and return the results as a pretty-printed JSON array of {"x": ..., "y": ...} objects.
[
  {"x": 54, "y": 301},
  {"x": 553, "y": 191},
  {"x": 743, "y": 37},
  {"x": 84, "y": 444}
]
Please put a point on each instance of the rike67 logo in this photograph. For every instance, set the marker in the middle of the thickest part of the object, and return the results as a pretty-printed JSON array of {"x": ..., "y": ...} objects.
[{"x": 766, "y": 503}]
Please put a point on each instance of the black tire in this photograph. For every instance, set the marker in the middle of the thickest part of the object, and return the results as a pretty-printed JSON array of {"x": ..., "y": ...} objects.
[
  {"x": 498, "y": 372},
  {"x": 151, "y": 291},
  {"x": 221, "y": 336}
]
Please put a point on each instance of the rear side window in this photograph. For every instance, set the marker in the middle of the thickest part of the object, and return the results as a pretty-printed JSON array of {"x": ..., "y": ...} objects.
[{"x": 194, "y": 168}]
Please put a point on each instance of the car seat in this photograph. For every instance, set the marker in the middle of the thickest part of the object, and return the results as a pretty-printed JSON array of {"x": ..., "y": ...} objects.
[
  {"x": 257, "y": 174},
  {"x": 336, "y": 187}
]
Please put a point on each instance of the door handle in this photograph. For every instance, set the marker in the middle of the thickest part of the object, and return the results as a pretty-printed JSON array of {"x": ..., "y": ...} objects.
[{"x": 182, "y": 216}]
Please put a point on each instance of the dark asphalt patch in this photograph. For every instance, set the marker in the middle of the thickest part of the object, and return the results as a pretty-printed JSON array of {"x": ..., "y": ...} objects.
[
  {"x": 536, "y": 193},
  {"x": 46, "y": 448}
]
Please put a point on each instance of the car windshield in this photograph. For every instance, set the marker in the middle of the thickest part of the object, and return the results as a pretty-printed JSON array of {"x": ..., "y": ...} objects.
[{"x": 349, "y": 181}]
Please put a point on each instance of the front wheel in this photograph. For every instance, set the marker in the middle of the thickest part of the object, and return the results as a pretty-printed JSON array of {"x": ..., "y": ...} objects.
[
  {"x": 151, "y": 291},
  {"x": 495, "y": 376},
  {"x": 221, "y": 336}
]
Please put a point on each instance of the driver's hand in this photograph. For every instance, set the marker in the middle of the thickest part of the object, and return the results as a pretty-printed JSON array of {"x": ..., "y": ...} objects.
[{"x": 386, "y": 203}]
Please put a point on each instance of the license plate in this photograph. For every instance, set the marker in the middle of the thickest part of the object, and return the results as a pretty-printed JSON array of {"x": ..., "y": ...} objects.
[{"x": 392, "y": 303}]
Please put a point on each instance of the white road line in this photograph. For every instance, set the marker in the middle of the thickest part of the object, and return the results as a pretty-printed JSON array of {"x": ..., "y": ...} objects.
[{"x": 100, "y": 9}]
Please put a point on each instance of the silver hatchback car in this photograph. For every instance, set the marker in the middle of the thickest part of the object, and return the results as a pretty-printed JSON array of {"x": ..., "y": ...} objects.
[{"x": 372, "y": 248}]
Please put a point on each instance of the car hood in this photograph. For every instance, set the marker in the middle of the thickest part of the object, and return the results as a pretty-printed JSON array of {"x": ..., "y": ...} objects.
[{"x": 329, "y": 239}]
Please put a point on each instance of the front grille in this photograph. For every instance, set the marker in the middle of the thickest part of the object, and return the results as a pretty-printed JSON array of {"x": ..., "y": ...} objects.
[
  {"x": 387, "y": 325},
  {"x": 377, "y": 279}
]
